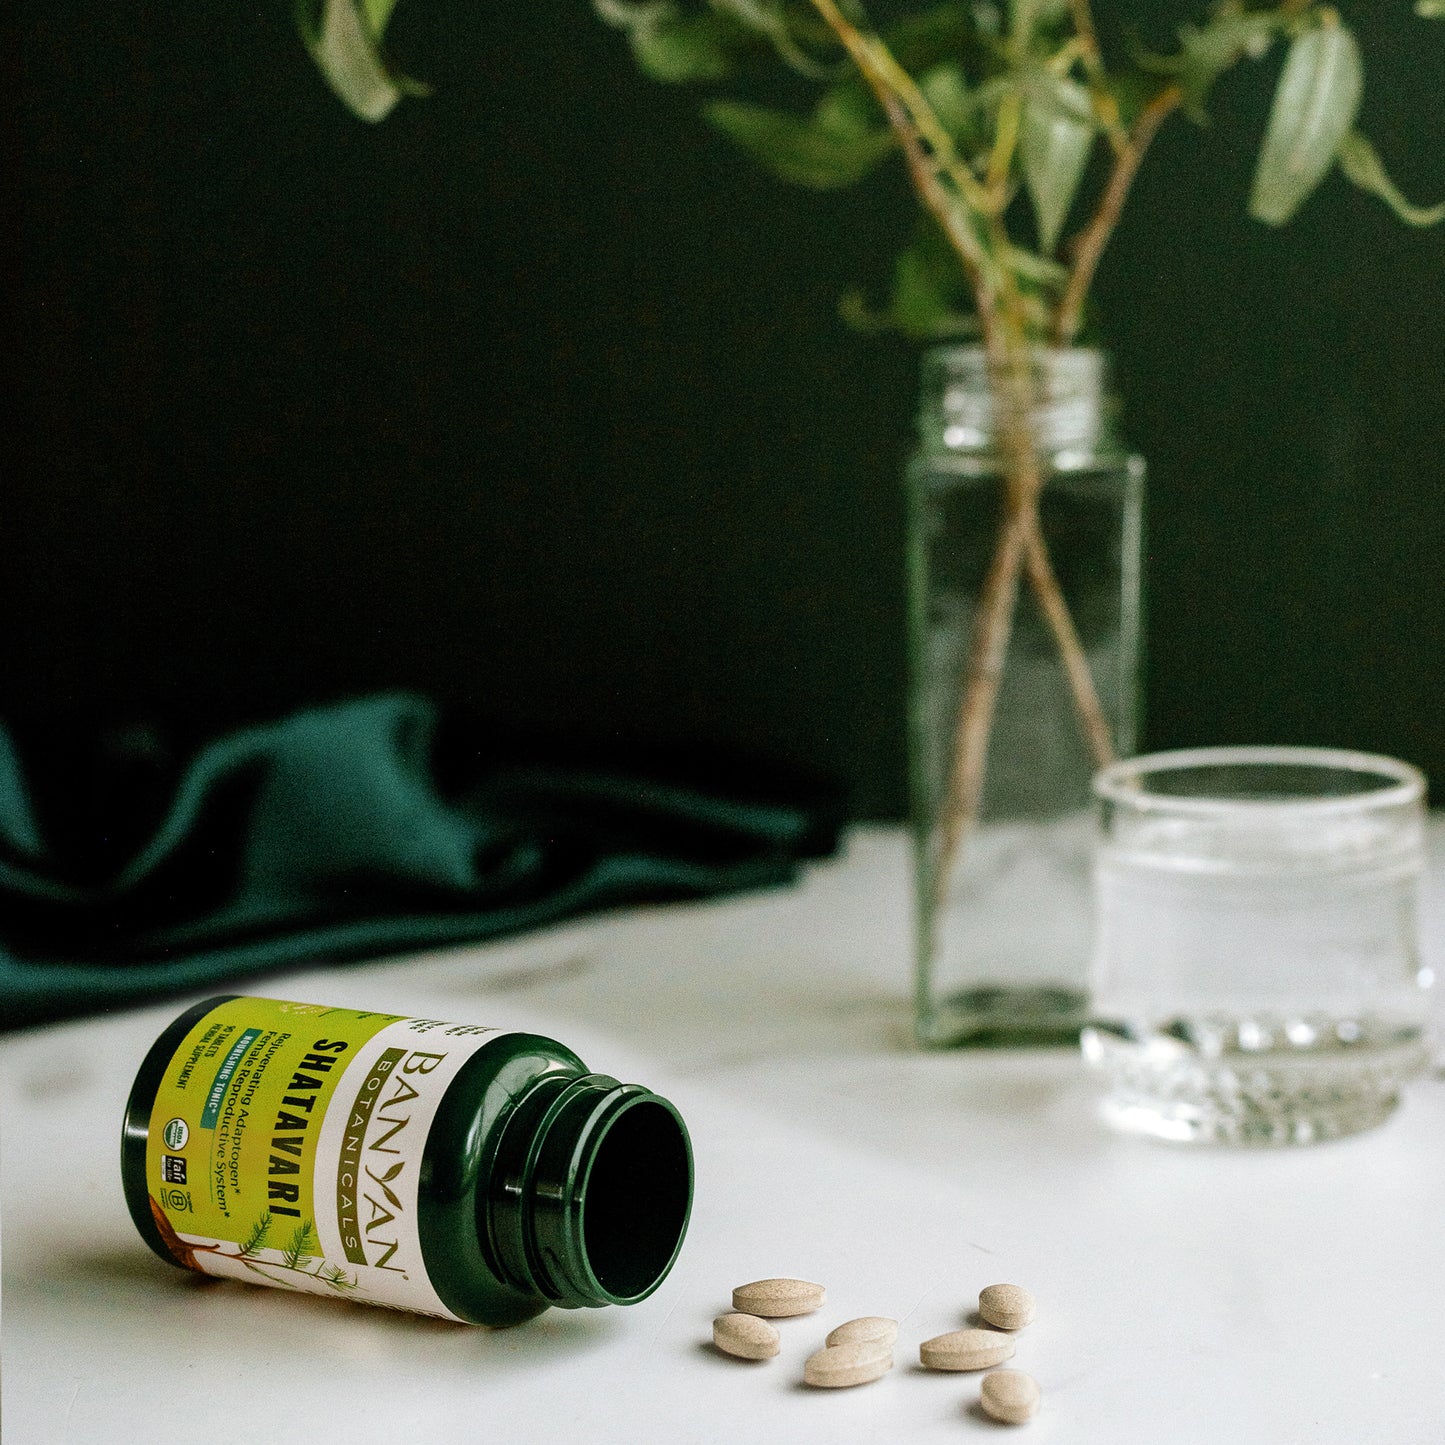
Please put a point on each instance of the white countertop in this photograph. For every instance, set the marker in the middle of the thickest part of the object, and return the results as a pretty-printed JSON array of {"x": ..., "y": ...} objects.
[{"x": 1184, "y": 1296}]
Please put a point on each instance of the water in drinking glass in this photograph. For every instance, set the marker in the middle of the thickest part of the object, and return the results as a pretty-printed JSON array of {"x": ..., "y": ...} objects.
[{"x": 1256, "y": 969}]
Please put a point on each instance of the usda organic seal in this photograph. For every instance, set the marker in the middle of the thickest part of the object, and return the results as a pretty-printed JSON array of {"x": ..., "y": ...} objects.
[{"x": 175, "y": 1133}]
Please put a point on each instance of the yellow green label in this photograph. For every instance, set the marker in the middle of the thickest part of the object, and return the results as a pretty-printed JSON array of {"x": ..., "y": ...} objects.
[{"x": 286, "y": 1141}]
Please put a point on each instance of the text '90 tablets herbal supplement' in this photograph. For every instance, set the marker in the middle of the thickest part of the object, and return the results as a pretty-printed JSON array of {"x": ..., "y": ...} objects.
[
  {"x": 450, "y": 1169},
  {"x": 1009, "y": 1396},
  {"x": 745, "y": 1336},
  {"x": 777, "y": 1299}
]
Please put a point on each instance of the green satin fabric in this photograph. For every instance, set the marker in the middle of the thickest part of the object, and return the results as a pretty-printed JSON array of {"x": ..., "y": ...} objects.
[{"x": 330, "y": 835}]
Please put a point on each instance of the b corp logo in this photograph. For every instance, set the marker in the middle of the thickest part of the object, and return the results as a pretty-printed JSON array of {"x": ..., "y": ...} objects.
[{"x": 178, "y": 1201}]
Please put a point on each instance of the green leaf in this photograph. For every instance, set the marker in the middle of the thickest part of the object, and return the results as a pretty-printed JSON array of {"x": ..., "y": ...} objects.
[
  {"x": 255, "y": 1241},
  {"x": 377, "y": 13},
  {"x": 347, "y": 51},
  {"x": 988, "y": 19},
  {"x": 822, "y": 153},
  {"x": 848, "y": 111},
  {"x": 681, "y": 50},
  {"x": 1062, "y": 94},
  {"x": 990, "y": 95},
  {"x": 673, "y": 47},
  {"x": 769, "y": 19},
  {"x": 1054, "y": 148},
  {"x": 930, "y": 298},
  {"x": 628, "y": 14},
  {"x": 1314, "y": 108},
  {"x": 921, "y": 307},
  {"x": 301, "y": 1245},
  {"x": 1430, "y": 9},
  {"x": 947, "y": 92},
  {"x": 1207, "y": 51},
  {"x": 1041, "y": 270},
  {"x": 1028, "y": 17},
  {"x": 1362, "y": 165}
]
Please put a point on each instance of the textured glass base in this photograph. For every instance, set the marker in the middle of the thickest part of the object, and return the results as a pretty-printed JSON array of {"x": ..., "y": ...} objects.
[
  {"x": 985, "y": 1017},
  {"x": 1200, "y": 1082}
]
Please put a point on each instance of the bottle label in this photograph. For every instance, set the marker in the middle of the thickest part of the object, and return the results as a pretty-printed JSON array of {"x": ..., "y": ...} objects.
[{"x": 285, "y": 1147}]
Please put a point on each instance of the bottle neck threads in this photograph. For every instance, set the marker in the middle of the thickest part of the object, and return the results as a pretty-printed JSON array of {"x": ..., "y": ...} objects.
[
  {"x": 1073, "y": 409},
  {"x": 591, "y": 1192}
]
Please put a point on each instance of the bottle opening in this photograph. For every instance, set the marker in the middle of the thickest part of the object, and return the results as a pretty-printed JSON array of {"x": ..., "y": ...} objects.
[
  {"x": 636, "y": 1197},
  {"x": 1072, "y": 408}
]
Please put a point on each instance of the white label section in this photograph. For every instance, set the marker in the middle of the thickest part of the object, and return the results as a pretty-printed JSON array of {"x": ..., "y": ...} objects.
[{"x": 368, "y": 1161}]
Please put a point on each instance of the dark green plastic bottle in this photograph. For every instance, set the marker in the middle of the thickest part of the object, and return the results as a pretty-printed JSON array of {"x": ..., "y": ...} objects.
[{"x": 449, "y": 1169}]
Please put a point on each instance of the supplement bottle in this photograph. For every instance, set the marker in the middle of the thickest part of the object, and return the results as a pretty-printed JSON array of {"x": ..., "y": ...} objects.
[{"x": 449, "y": 1169}]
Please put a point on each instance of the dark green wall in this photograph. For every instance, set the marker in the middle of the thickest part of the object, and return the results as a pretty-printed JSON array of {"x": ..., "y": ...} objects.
[{"x": 535, "y": 395}]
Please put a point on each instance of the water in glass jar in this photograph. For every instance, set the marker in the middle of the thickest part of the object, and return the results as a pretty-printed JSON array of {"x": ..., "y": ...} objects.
[{"x": 1257, "y": 978}]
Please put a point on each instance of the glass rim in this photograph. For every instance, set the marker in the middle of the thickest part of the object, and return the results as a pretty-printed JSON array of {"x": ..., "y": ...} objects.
[{"x": 1118, "y": 782}]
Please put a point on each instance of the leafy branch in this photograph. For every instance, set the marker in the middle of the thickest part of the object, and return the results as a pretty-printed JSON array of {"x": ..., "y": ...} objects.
[
  {"x": 1089, "y": 248},
  {"x": 301, "y": 1247},
  {"x": 1003, "y": 101},
  {"x": 337, "y": 1278},
  {"x": 997, "y": 113},
  {"x": 989, "y": 112},
  {"x": 296, "y": 1257},
  {"x": 255, "y": 1241}
]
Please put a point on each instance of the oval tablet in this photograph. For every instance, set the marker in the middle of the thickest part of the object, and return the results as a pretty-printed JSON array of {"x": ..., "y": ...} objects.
[
  {"x": 745, "y": 1336},
  {"x": 870, "y": 1327},
  {"x": 966, "y": 1350},
  {"x": 852, "y": 1364},
  {"x": 776, "y": 1299},
  {"x": 1009, "y": 1396},
  {"x": 1006, "y": 1306}
]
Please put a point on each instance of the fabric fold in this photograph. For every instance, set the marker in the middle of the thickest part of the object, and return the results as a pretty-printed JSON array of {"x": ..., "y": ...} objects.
[{"x": 340, "y": 832}]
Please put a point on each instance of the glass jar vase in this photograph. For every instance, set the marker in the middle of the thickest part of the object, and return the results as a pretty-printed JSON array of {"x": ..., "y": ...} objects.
[{"x": 1002, "y": 862}]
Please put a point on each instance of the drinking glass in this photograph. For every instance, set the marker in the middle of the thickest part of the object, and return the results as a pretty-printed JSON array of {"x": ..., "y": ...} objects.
[{"x": 1256, "y": 969}]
